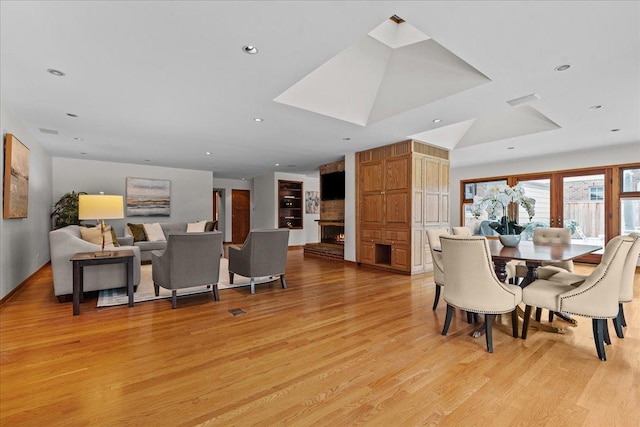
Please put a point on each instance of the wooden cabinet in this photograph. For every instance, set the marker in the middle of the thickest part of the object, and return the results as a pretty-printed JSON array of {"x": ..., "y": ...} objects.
[
  {"x": 401, "y": 189},
  {"x": 290, "y": 204}
]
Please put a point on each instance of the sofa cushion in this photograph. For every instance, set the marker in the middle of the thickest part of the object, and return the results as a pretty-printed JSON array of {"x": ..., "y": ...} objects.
[
  {"x": 137, "y": 231},
  {"x": 93, "y": 235},
  {"x": 154, "y": 232},
  {"x": 210, "y": 226},
  {"x": 151, "y": 246}
]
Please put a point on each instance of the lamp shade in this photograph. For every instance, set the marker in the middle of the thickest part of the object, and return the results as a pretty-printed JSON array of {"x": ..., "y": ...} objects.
[{"x": 99, "y": 206}]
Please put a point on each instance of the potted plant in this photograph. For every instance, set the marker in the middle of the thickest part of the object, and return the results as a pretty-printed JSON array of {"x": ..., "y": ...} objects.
[
  {"x": 501, "y": 201},
  {"x": 65, "y": 211}
]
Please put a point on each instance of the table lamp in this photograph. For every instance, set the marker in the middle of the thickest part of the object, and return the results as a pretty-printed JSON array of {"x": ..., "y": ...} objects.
[{"x": 100, "y": 207}]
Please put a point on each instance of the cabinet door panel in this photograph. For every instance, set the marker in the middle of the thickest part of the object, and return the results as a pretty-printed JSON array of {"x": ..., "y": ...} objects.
[
  {"x": 371, "y": 234},
  {"x": 397, "y": 208},
  {"x": 371, "y": 209},
  {"x": 367, "y": 251},
  {"x": 371, "y": 177},
  {"x": 417, "y": 247},
  {"x": 432, "y": 208},
  {"x": 432, "y": 175},
  {"x": 400, "y": 257},
  {"x": 397, "y": 177},
  {"x": 394, "y": 236}
]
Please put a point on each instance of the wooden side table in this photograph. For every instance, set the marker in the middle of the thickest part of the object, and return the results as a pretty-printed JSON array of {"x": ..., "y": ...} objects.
[{"x": 83, "y": 259}]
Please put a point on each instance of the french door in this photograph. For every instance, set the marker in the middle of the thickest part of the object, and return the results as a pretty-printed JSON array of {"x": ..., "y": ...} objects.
[{"x": 577, "y": 200}]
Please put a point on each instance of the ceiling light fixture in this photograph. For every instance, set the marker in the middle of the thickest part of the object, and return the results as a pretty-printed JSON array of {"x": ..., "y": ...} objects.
[
  {"x": 346, "y": 138},
  {"x": 208, "y": 153},
  {"x": 251, "y": 50},
  {"x": 77, "y": 138},
  {"x": 437, "y": 120},
  {"x": 615, "y": 130},
  {"x": 72, "y": 115},
  {"x": 595, "y": 107},
  {"x": 147, "y": 160},
  {"x": 277, "y": 164},
  {"x": 562, "y": 67},
  {"x": 55, "y": 72},
  {"x": 510, "y": 148},
  {"x": 257, "y": 119},
  {"x": 396, "y": 19}
]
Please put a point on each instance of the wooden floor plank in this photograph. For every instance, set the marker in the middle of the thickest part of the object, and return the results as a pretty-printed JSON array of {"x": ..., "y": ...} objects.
[{"x": 341, "y": 346}]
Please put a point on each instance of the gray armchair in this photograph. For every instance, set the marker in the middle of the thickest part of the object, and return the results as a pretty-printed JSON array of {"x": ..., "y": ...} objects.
[
  {"x": 264, "y": 253},
  {"x": 191, "y": 259}
]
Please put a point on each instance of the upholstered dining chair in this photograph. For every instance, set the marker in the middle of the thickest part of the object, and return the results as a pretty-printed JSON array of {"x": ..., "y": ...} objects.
[
  {"x": 626, "y": 284},
  {"x": 475, "y": 288},
  {"x": 461, "y": 231},
  {"x": 433, "y": 237},
  {"x": 596, "y": 298},
  {"x": 264, "y": 253},
  {"x": 190, "y": 259}
]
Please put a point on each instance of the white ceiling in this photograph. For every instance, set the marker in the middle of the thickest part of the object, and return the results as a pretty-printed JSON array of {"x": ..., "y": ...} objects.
[{"x": 161, "y": 82}]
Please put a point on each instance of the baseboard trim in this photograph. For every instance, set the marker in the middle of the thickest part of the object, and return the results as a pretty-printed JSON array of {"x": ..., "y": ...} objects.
[{"x": 15, "y": 291}]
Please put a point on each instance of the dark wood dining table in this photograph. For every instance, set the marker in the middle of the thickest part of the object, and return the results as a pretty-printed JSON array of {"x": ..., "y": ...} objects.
[{"x": 534, "y": 255}]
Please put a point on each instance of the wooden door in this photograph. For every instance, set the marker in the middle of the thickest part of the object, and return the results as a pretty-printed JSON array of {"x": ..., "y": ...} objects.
[{"x": 240, "y": 215}]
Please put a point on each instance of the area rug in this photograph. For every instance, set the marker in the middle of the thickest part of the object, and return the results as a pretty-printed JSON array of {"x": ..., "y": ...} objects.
[{"x": 145, "y": 291}]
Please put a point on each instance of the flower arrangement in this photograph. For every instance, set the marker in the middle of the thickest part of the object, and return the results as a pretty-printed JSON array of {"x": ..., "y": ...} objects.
[{"x": 498, "y": 202}]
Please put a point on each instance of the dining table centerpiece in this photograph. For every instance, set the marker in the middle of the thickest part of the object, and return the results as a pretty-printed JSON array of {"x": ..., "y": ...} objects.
[{"x": 502, "y": 201}]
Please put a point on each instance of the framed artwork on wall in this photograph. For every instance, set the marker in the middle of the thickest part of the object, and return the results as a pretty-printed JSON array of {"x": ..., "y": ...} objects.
[
  {"x": 312, "y": 202},
  {"x": 16, "y": 179},
  {"x": 148, "y": 197}
]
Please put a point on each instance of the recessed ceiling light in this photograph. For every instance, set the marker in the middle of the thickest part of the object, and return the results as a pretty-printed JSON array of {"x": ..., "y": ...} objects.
[
  {"x": 72, "y": 115},
  {"x": 147, "y": 160},
  {"x": 595, "y": 107},
  {"x": 83, "y": 153},
  {"x": 615, "y": 130},
  {"x": 251, "y": 50},
  {"x": 510, "y": 148},
  {"x": 77, "y": 138},
  {"x": 562, "y": 67},
  {"x": 437, "y": 120},
  {"x": 257, "y": 119},
  {"x": 346, "y": 139},
  {"x": 277, "y": 164},
  {"x": 208, "y": 153},
  {"x": 55, "y": 72}
]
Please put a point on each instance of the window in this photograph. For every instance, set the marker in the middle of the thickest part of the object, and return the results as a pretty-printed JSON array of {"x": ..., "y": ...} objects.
[
  {"x": 630, "y": 182},
  {"x": 596, "y": 193}
]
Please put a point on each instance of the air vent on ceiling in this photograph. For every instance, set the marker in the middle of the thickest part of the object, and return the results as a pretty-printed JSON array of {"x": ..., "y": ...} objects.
[
  {"x": 397, "y": 19},
  {"x": 523, "y": 99},
  {"x": 49, "y": 131}
]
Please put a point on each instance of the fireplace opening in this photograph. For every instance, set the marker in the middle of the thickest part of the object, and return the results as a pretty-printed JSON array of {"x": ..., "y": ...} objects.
[{"x": 332, "y": 234}]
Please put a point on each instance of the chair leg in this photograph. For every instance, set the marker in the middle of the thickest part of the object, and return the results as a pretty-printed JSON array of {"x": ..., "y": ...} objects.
[
  {"x": 253, "y": 286},
  {"x": 156, "y": 288},
  {"x": 476, "y": 318},
  {"x": 488, "y": 320},
  {"x": 283, "y": 281},
  {"x": 469, "y": 317},
  {"x": 447, "y": 319},
  {"x": 514, "y": 323},
  {"x": 216, "y": 296},
  {"x": 605, "y": 332},
  {"x": 623, "y": 321},
  {"x": 174, "y": 299},
  {"x": 538, "y": 314},
  {"x": 550, "y": 316},
  {"x": 617, "y": 322},
  {"x": 231, "y": 278},
  {"x": 598, "y": 333},
  {"x": 525, "y": 323},
  {"x": 437, "y": 297}
]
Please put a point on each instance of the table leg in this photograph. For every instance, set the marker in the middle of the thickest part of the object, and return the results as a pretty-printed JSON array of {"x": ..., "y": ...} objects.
[
  {"x": 500, "y": 267},
  {"x": 77, "y": 287},
  {"x": 130, "y": 281}
]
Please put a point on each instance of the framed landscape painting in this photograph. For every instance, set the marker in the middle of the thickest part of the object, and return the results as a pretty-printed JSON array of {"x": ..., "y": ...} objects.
[
  {"x": 148, "y": 197},
  {"x": 16, "y": 179}
]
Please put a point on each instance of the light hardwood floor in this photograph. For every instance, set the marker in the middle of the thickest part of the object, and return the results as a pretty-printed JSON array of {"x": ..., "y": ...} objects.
[{"x": 341, "y": 346}]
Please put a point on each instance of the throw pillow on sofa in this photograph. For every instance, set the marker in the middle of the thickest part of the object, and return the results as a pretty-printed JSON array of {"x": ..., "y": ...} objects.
[
  {"x": 137, "y": 231},
  {"x": 93, "y": 235},
  {"x": 196, "y": 227},
  {"x": 154, "y": 232}
]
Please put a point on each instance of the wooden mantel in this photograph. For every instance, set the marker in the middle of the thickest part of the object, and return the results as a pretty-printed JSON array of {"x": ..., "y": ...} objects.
[{"x": 326, "y": 222}]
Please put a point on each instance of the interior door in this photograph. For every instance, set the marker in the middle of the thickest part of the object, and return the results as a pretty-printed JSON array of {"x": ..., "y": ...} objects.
[{"x": 240, "y": 215}]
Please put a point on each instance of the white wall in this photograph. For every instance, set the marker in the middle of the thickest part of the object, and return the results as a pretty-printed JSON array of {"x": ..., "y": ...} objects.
[
  {"x": 24, "y": 243},
  {"x": 265, "y": 205},
  {"x": 350, "y": 207},
  {"x": 616, "y": 155},
  {"x": 226, "y": 185},
  {"x": 191, "y": 190}
]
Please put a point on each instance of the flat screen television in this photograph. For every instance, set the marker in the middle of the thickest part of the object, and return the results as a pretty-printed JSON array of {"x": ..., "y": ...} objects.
[{"x": 332, "y": 186}]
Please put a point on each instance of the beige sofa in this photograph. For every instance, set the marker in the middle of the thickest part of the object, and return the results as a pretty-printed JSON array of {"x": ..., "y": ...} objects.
[{"x": 64, "y": 243}]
